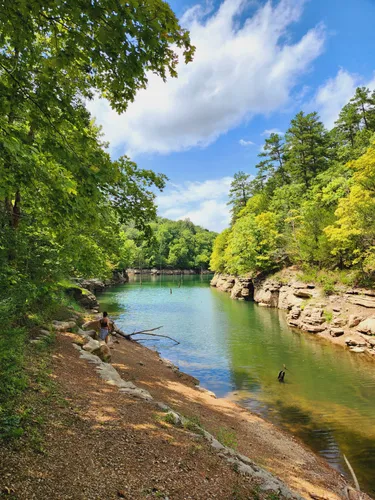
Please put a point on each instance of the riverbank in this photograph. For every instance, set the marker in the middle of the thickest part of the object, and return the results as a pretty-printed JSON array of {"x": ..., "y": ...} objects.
[
  {"x": 104, "y": 442},
  {"x": 343, "y": 315}
]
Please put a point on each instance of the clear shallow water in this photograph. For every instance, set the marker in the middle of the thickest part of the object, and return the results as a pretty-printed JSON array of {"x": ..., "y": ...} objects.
[{"x": 328, "y": 398}]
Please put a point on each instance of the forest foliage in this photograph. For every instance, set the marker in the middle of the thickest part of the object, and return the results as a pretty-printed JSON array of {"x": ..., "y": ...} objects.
[
  {"x": 312, "y": 201},
  {"x": 173, "y": 244},
  {"x": 63, "y": 200}
]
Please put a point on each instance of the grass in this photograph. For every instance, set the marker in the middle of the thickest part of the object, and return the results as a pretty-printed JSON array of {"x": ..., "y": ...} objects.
[
  {"x": 193, "y": 424},
  {"x": 169, "y": 419},
  {"x": 328, "y": 315},
  {"x": 227, "y": 438}
]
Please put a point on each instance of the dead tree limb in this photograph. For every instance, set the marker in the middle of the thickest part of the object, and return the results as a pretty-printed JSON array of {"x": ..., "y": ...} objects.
[
  {"x": 128, "y": 336},
  {"x": 144, "y": 331},
  {"x": 158, "y": 335},
  {"x": 353, "y": 474}
]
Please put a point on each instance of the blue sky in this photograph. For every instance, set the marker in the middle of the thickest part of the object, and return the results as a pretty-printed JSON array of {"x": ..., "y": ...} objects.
[{"x": 257, "y": 64}]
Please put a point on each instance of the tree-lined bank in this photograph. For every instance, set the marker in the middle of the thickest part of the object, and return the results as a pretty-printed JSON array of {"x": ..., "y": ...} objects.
[{"x": 312, "y": 202}]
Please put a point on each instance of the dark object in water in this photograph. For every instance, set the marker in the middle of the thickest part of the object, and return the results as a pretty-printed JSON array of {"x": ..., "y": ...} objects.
[{"x": 281, "y": 376}]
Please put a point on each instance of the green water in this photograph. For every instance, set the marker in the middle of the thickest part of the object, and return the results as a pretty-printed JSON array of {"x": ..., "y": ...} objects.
[{"x": 328, "y": 398}]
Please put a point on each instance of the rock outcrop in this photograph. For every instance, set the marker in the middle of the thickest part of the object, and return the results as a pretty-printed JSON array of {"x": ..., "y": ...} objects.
[
  {"x": 84, "y": 297},
  {"x": 240, "y": 288},
  {"x": 345, "y": 318}
]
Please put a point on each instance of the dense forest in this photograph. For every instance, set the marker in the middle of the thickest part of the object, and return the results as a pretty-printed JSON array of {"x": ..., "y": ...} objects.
[
  {"x": 312, "y": 202},
  {"x": 172, "y": 244}
]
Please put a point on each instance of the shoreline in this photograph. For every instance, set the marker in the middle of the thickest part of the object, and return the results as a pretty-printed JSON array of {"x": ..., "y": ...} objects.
[
  {"x": 345, "y": 318},
  {"x": 265, "y": 444}
]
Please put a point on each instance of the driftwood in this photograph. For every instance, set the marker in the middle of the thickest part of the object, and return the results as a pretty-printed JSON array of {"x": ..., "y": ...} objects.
[
  {"x": 144, "y": 340},
  {"x": 128, "y": 336},
  {"x": 353, "y": 475},
  {"x": 144, "y": 331}
]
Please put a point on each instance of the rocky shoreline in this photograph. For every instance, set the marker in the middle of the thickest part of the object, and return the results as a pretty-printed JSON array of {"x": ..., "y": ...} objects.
[
  {"x": 346, "y": 317},
  {"x": 267, "y": 294},
  {"x": 276, "y": 478}
]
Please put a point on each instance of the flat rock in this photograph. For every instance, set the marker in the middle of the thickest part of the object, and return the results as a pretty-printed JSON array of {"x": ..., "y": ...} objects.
[
  {"x": 336, "y": 332},
  {"x": 337, "y": 322},
  {"x": 313, "y": 328},
  {"x": 303, "y": 294},
  {"x": 91, "y": 345},
  {"x": 359, "y": 300},
  {"x": 61, "y": 326},
  {"x": 367, "y": 326},
  {"x": 357, "y": 349}
]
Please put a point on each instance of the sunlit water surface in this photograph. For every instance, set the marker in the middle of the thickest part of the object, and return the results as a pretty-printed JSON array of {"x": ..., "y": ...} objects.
[{"x": 328, "y": 398}]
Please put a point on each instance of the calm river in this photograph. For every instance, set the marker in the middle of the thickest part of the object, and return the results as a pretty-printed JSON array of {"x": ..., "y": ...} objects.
[{"x": 237, "y": 349}]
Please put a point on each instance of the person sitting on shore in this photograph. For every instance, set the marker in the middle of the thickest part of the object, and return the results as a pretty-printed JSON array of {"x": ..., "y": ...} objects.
[{"x": 104, "y": 327}]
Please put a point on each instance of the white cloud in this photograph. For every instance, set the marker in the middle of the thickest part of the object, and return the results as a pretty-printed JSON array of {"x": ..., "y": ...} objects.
[
  {"x": 335, "y": 93},
  {"x": 244, "y": 143},
  {"x": 272, "y": 131},
  {"x": 241, "y": 68},
  {"x": 204, "y": 203}
]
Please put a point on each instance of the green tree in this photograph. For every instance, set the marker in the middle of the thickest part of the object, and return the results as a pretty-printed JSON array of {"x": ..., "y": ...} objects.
[
  {"x": 352, "y": 235},
  {"x": 239, "y": 193},
  {"x": 272, "y": 167},
  {"x": 62, "y": 199},
  {"x": 218, "y": 261},
  {"x": 364, "y": 104},
  {"x": 308, "y": 146},
  {"x": 253, "y": 244}
]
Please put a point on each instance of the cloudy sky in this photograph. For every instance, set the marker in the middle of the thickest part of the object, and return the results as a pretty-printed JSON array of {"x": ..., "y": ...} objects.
[{"x": 257, "y": 64}]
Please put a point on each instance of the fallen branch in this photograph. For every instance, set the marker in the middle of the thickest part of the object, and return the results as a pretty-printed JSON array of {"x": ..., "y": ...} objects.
[
  {"x": 144, "y": 331},
  {"x": 157, "y": 335},
  {"x": 353, "y": 474},
  {"x": 128, "y": 336},
  {"x": 149, "y": 340}
]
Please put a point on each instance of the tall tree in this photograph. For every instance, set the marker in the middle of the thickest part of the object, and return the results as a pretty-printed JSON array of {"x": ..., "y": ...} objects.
[
  {"x": 239, "y": 193},
  {"x": 272, "y": 167},
  {"x": 308, "y": 147},
  {"x": 364, "y": 103},
  {"x": 348, "y": 122}
]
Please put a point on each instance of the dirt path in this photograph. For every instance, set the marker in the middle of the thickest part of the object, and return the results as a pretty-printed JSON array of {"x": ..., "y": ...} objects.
[{"x": 101, "y": 444}]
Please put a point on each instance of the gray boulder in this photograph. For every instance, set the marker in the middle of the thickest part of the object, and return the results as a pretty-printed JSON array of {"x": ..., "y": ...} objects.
[
  {"x": 91, "y": 345},
  {"x": 63, "y": 326}
]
